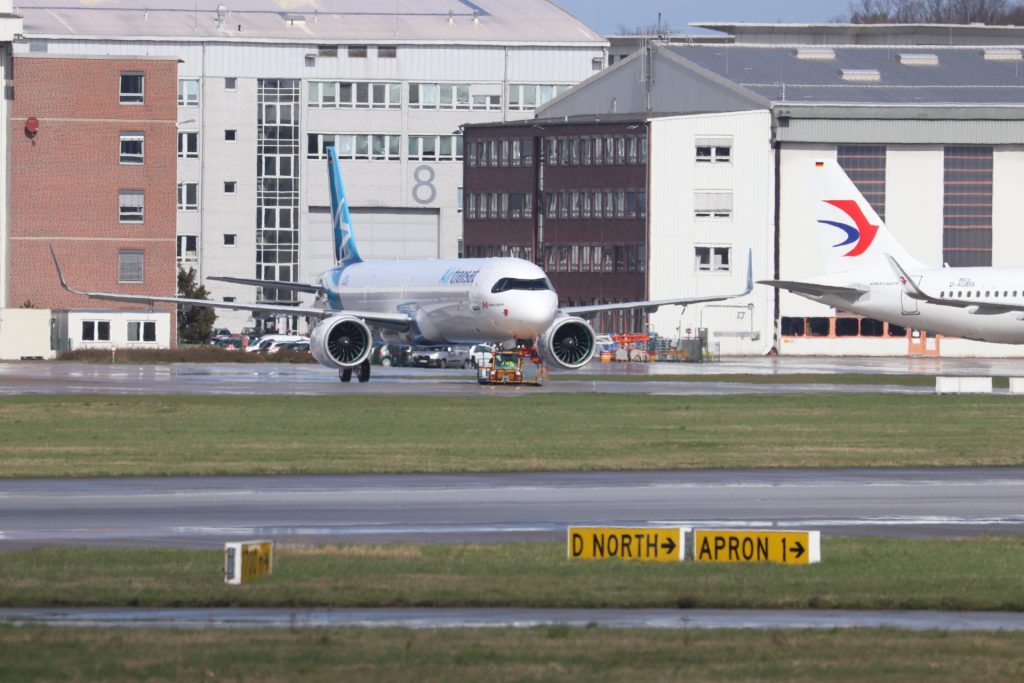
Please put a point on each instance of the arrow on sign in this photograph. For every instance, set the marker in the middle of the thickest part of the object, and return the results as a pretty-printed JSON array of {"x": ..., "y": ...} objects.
[
  {"x": 799, "y": 549},
  {"x": 669, "y": 546}
]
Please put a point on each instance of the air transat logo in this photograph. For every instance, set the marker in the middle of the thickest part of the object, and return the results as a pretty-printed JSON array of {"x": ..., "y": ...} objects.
[{"x": 861, "y": 234}]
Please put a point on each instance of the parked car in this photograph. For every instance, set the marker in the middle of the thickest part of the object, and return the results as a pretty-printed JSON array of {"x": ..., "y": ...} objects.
[
  {"x": 264, "y": 342},
  {"x": 229, "y": 343},
  {"x": 290, "y": 346},
  {"x": 387, "y": 355},
  {"x": 442, "y": 357}
]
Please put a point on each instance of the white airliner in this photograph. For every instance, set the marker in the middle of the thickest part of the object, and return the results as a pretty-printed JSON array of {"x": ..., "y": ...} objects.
[
  {"x": 870, "y": 274},
  {"x": 466, "y": 301}
]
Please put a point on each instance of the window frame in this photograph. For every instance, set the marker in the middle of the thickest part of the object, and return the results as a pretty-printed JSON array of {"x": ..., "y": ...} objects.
[
  {"x": 131, "y": 96},
  {"x": 131, "y": 158},
  {"x": 124, "y": 268},
  {"x": 127, "y": 212}
]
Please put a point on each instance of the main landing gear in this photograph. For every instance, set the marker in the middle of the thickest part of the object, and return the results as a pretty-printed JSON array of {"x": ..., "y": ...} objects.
[{"x": 345, "y": 374}]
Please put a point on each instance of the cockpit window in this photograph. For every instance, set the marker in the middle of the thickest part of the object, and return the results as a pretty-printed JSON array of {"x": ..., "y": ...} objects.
[{"x": 507, "y": 283}]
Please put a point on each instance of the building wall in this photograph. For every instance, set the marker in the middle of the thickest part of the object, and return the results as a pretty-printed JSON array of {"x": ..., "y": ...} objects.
[
  {"x": 742, "y": 325},
  {"x": 404, "y": 184},
  {"x": 66, "y": 178}
]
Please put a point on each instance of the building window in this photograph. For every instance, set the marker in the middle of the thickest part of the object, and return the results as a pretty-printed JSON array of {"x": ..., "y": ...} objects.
[
  {"x": 357, "y": 51},
  {"x": 865, "y": 166},
  {"x": 231, "y": 83},
  {"x": 188, "y": 196},
  {"x": 187, "y": 248},
  {"x": 435, "y": 147},
  {"x": 967, "y": 207},
  {"x": 712, "y": 204},
  {"x": 132, "y": 148},
  {"x": 141, "y": 331},
  {"x": 526, "y": 97},
  {"x": 712, "y": 258},
  {"x": 713, "y": 150},
  {"x": 188, "y": 92},
  {"x": 95, "y": 330},
  {"x": 229, "y": 186},
  {"x": 229, "y": 240},
  {"x": 387, "y": 51},
  {"x": 132, "y": 88},
  {"x": 354, "y": 95},
  {"x": 378, "y": 147},
  {"x": 230, "y": 134},
  {"x": 129, "y": 265},
  {"x": 188, "y": 145},
  {"x": 131, "y": 206}
]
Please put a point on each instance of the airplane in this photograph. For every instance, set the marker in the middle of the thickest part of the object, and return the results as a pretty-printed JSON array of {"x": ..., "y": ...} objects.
[
  {"x": 435, "y": 301},
  {"x": 870, "y": 274}
]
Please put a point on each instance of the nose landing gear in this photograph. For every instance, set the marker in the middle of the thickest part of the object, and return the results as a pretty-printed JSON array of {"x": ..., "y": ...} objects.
[{"x": 345, "y": 374}]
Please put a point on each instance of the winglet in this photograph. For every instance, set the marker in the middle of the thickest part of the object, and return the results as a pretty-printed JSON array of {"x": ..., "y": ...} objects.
[
  {"x": 60, "y": 273},
  {"x": 910, "y": 287}
]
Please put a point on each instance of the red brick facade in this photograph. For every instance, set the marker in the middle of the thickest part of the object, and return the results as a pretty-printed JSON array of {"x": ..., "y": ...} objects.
[{"x": 65, "y": 180}]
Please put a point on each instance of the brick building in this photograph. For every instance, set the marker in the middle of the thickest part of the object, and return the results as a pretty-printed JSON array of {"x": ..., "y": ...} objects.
[
  {"x": 570, "y": 196},
  {"x": 93, "y": 172}
]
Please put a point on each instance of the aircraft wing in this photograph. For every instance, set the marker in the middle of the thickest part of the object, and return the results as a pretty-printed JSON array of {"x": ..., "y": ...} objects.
[
  {"x": 812, "y": 288},
  {"x": 276, "y": 284},
  {"x": 653, "y": 305},
  {"x": 391, "y": 321},
  {"x": 911, "y": 289}
]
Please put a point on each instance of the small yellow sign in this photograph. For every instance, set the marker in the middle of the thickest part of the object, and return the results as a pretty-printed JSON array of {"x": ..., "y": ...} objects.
[
  {"x": 247, "y": 560},
  {"x": 651, "y": 544},
  {"x": 783, "y": 547}
]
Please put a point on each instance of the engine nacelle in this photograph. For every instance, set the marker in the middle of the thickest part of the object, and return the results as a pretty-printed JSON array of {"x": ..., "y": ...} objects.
[
  {"x": 568, "y": 343},
  {"x": 343, "y": 341}
]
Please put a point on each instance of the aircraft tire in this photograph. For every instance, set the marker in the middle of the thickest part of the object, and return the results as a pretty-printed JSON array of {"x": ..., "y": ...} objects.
[
  {"x": 345, "y": 375},
  {"x": 364, "y": 371}
]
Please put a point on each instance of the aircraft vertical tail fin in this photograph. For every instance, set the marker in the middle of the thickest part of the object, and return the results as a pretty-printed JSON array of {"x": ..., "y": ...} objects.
[
  {"x": 851, "y": 234},
  {"x": 345, "y": 251}
]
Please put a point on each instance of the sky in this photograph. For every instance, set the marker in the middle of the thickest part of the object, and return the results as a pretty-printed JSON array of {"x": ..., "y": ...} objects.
[{"x": 605, "y": 16}]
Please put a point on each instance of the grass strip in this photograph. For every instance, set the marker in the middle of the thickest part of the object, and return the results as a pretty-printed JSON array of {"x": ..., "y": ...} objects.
[
  {"x": 981, "y": 573},
  {"x": 53, "y": 436},
  {"x": 507, "y": 654}
]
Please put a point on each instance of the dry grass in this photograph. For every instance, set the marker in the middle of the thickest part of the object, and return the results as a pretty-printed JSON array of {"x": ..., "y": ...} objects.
[{"x": 508, "y": 654}]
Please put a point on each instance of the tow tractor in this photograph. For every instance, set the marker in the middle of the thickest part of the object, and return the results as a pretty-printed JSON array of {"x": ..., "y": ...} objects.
[{"x": 518, "y": 366}]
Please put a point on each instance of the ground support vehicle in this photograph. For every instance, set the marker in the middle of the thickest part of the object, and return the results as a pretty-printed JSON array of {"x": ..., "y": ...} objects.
[{"x": 518, "y": 366}]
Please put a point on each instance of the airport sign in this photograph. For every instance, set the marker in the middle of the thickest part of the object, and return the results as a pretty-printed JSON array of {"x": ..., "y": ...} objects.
[
  {"x": 247, "y": 560},
  {"x": 752, "y": 546},
  {"x": 648, "y": 544}
]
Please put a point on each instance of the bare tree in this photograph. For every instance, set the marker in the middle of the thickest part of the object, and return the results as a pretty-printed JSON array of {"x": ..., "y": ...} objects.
[{"x": 992, "y": 12}]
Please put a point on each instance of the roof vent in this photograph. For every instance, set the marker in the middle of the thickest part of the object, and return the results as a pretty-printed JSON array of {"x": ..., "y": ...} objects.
[
  {"x": 1002, "y": 54},
  {"x": 822, "y": 53},
  {"x": 918, "y": 59},
  {"x": 293, "y": 19},
  {"x": 860, "y": 75}
]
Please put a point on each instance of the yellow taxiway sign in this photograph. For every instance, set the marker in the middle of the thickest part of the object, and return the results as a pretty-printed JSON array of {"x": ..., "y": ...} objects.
[
  {"x": 783, "y": 547},
  {"x": 651, "y": 544}
]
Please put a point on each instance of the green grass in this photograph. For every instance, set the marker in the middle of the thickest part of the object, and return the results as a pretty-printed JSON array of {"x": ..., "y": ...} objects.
[
  {"x": 855, "y": 573},
  {"x": 537, "y": 654},
  {"x": 52, "y": 436}
]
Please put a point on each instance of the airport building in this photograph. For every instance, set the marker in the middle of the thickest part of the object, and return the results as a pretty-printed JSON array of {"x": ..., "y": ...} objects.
[
  {"x": 263, "y": 87},
  {"x": 931, "y": 133}
]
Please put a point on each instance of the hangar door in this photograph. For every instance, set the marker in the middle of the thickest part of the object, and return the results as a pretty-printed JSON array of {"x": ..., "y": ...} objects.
[{"x": 381, "y": 234}]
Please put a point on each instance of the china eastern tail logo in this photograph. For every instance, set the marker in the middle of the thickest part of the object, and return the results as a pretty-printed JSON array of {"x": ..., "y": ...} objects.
[{"x": 861, "y": 234}]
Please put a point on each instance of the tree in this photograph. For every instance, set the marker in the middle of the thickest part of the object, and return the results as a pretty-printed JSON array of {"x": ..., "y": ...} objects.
[
  {"x": 195, "y": 323},
  {"x": 991, "y": 12}
]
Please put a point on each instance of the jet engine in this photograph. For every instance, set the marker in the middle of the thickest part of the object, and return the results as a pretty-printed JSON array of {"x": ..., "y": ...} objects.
[
  {"x": 343, "y": 341},
  {"x": 568, "y": 343}
]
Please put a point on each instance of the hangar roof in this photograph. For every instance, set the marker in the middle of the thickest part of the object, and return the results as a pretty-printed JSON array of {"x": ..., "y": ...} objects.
[
  {"x": 352, "y": 21},
  {"x": 883, "y": 75}
]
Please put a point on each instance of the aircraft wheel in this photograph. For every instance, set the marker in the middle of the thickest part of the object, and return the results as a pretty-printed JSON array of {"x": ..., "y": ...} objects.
[
  {"x": 345, "y": 375},
  {"x": 364, "y": 371}
]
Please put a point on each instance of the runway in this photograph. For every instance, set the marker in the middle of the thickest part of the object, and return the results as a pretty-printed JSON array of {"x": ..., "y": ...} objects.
[
  {"x": 60, "y": 377},
  {"x": 518, "y": 617},
  {"x": 207, "y": 511}
]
